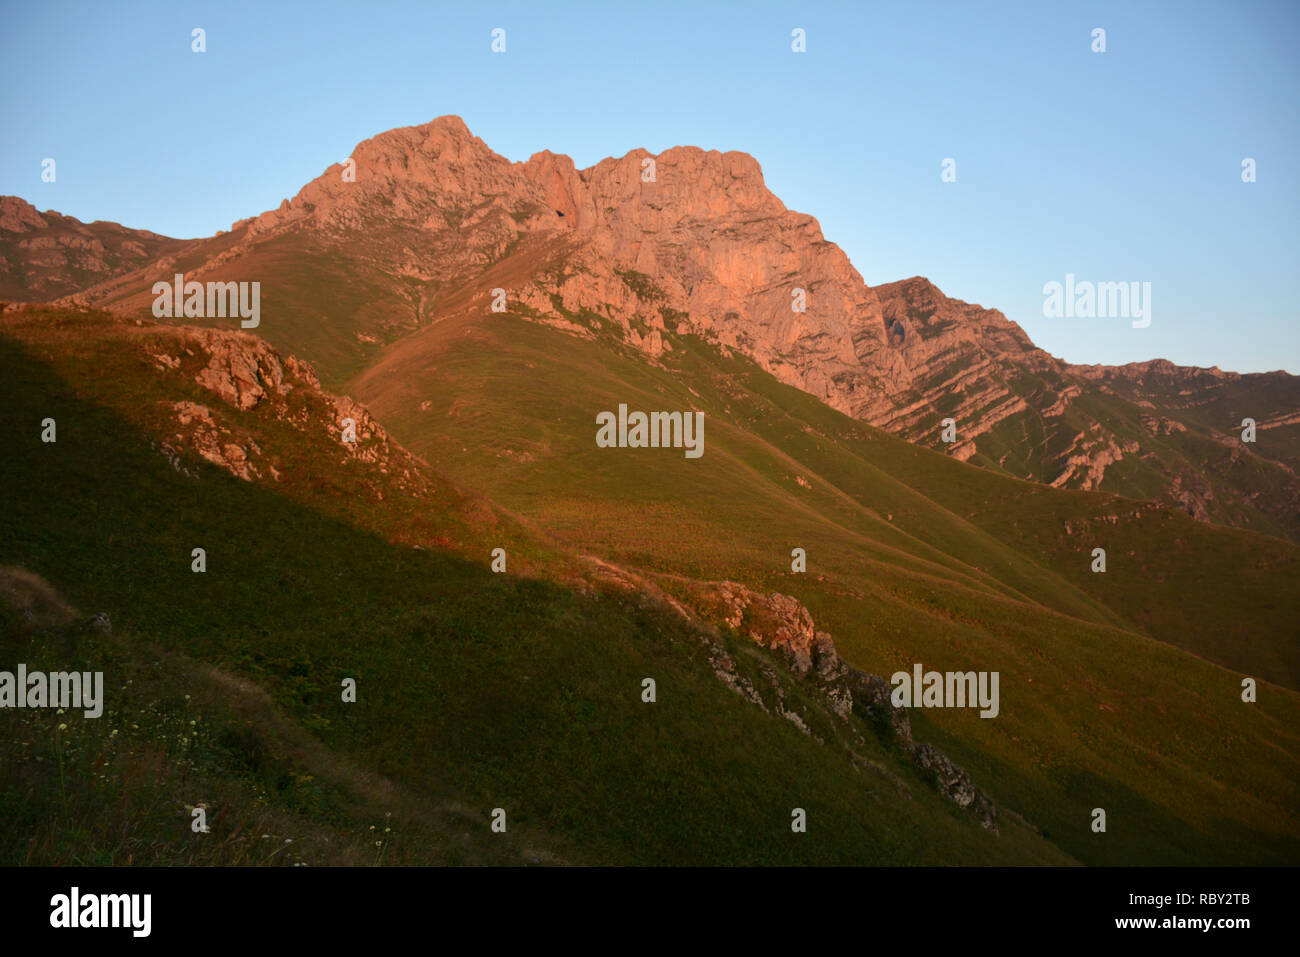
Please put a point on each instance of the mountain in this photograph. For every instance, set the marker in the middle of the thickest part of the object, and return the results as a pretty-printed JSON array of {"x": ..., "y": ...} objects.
[
  {"x": 1147, "y": 430},
  {"x": 434, "y": 221},
  {"x": 1120, "y": 690},
  {"x": 47, "y": 255},
  {"x": 522, "y": 690}
]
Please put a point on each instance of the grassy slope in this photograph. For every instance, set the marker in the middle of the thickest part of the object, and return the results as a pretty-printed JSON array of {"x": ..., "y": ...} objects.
[
  {"x": 476, "y": 690},
  {"x": 913, "y": 557}
]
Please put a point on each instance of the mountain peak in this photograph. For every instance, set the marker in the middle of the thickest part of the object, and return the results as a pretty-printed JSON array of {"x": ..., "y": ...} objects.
[
  {"x": 441, "y": 135},
  {"x": 17, "y": 215},
  {"x": 916, "y": 285},
  {"x": 450, "y": 124}
]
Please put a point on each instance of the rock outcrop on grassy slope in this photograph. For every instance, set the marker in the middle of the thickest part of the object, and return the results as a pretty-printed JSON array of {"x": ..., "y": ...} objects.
[
  {"x": 245, "y": 373},
  {"x": 781, "y": 623}
]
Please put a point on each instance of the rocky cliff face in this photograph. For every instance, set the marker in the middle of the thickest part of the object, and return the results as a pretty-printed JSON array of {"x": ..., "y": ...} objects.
[
  {"x": 428, "y": 220},
  {"x": 47, "y": 255}
]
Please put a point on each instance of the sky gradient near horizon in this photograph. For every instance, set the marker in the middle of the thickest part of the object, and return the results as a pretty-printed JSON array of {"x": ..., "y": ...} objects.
[{"x": 1116, "y": 166}]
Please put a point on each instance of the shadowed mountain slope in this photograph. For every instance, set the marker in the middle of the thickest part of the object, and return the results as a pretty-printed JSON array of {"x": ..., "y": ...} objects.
[
  {"x": 1093, "y": 711},
  {"x": 476, "y": 690}
]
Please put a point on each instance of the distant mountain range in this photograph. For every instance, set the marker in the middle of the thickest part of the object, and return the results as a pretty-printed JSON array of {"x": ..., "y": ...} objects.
[{"x": 430, "y": 221}]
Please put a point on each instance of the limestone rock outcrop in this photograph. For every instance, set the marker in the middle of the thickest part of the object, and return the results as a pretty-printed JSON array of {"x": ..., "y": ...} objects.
[{"x": 781, "y": 623}]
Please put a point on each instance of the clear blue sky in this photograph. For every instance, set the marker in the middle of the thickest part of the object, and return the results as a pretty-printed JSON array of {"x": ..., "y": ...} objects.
[{"x": 1114, "y": 167}]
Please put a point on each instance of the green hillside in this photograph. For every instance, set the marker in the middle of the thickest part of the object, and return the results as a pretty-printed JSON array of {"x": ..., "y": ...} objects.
[
  {"x": 912, "y": 557},
  {"x": 476, "y": 690},
  {"x": 522, "y": 690}
]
